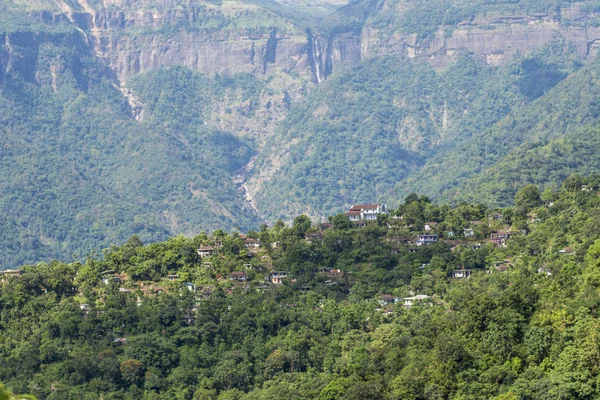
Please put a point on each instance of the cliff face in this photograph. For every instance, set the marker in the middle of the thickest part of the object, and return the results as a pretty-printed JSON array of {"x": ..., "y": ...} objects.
[
  {"x": 134, "y": 38},
  {"x": 494, "y": 39}
]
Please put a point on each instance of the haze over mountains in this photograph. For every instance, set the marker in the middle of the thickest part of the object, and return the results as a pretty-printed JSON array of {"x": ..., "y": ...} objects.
[{"x": 164, "y": 117}]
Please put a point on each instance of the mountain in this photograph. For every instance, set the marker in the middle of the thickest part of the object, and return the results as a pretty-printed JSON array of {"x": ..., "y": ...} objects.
[
  {"x": 163, "y": 117},
  {"x": 391, "y": 126},
  {"x": 80, "y": 171}
]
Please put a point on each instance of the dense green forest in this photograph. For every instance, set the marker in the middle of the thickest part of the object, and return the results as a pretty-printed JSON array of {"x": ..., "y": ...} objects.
[
  {"x": 159, "y": 321},
  {"x": 79, "y": 171}
]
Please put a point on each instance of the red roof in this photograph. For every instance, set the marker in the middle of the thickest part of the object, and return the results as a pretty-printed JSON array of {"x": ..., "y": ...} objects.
[{"x": 359, "y": 207}]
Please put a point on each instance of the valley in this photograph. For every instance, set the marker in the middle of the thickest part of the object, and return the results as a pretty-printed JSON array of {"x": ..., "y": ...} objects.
[{"x": 319, "y": 105}]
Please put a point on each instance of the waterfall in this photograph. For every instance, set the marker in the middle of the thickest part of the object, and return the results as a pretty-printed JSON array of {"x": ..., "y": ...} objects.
[{"x": 315, "y": 57}]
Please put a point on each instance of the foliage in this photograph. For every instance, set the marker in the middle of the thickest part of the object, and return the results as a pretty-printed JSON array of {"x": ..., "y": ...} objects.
[
  {"x": 529, "y": 332},
  {"x": 79, "y": 172},
  {"x": 389, "y": 125}
]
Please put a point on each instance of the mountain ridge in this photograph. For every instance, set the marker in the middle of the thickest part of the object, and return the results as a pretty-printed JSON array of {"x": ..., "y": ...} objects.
[{"x": 267, "y": 127}]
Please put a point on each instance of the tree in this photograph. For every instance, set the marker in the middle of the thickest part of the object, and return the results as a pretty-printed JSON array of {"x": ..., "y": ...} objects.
[
  {"x": 6, "y": 394},
  {"x": 132, "y": 371},
  {"x": 528, "y": 198},
  {"x": 301, "y": 225}
]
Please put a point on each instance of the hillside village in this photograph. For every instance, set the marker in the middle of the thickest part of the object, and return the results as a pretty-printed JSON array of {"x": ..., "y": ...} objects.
[
  {"x": 229, "y": 262},
  {"x": 454, "y": 295}
]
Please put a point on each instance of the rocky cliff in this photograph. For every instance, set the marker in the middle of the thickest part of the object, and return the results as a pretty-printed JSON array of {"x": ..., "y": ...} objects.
[
  {"x": 495, "y": 39},
  {"x": 233, "y": 37}
]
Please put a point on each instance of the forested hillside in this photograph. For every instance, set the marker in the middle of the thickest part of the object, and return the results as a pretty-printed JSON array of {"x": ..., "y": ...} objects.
[
  {"x": 79, "y": 171},
  {"x": 161, "y": 118},
  {"x": 361, "y": 312},
  {"x": 392, "y": 124}
]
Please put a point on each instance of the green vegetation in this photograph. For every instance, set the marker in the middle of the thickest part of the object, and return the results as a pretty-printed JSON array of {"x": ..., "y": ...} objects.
[
  {"x": 523, "y": 325},
  {"x": 389, "y": 125},
  {"x": 425, "y": 17},
  {"x": 541, "y": 143},
  {"x": 79, "y": 172},
  {"x": 8, "y": 395}
]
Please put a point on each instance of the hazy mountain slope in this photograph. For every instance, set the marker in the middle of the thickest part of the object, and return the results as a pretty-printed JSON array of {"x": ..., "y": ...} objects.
[
  {"x": 380, "y": 124},
  {"x": 80, "y": 173},
  {"x": 467, "y": 153},
  {"x": 556, "y": 136}
]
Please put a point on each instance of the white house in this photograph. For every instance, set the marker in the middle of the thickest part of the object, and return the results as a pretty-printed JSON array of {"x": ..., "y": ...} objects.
[
  {"x": 387, "y": 300},
  {"x": 366, "y": 212},
  {"x": 277, "y": 277},
  {"x": 410, "y": 301},
  {"x": 426, "y": 239}
]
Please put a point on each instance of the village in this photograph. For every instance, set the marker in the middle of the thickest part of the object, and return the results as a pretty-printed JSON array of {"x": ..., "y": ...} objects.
[{"x": 258, "y": 273}]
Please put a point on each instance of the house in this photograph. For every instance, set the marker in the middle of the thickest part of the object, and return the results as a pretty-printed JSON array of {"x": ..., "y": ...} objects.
[
  {"x": 468, "y": 232},
  {"x": 387, "y": 300},
  {"x": 7, "y": 273},
  {"x": 330, "y": 271},
  {"x": 120, "y": 341},
  {"x": 354, "y": 215},
  {"x": 312, "y": 237},
  {"x": 499, "y": 239},
  {"x": 189, "y": 319},
  {"x": 151, "y": 289},
  {"x": 172, "y": 277},
  {"x": 567, "y": 250},
  {"x": 495, "y": 216},
  {"x": 305, "y": 288},
  {"x": 251, "y": 243},
  {"x": 85, "y": 308},
  {"x": 366, "y": 212},
  {"x": 399, "y": 239},
  {"x": 10, "y": 273},
  {"x": 449, "y": 234},
  {"x": 206, "y": 292},
  {"x": 190, "y": 286},
  {"x": 410, "y": 301},
  {"x": 116, "y": 278},
  {"x": 277, "y": 277},
  {"x": 544, "y": 270},
  {"x": 325, "y": 225},
  {"x": 501, "y": 266},
  {"x": 461, "y": 273},
  {"x": 262, "y": 287},
  {"x": 429, "y": 226},
  {"x": 125, "y": 290},
  {"x": 275, "y": 245},
  {"x": 426, "y": 239},
  {"x": 207, "y": 251},
  {"x": 238, "y": 276}
]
